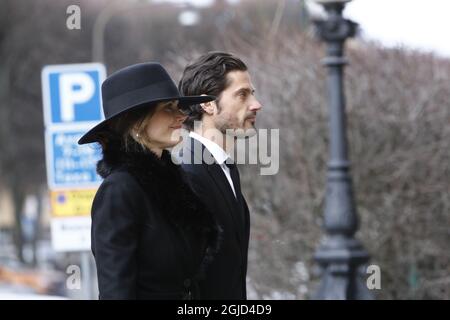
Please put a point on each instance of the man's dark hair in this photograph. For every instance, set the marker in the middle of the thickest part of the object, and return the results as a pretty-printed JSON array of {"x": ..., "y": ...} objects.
[{"x": 207, "y": 75}]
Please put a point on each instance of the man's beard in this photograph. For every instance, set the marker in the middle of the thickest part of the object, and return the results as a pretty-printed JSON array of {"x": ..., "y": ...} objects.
[{"x": 226, "y": 129}]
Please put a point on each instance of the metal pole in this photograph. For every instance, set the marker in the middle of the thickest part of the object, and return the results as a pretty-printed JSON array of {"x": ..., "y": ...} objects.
[
  {"x": 98, "y": 31},
  {"x": 340, "y": 255},
  {"x": 86, "y": 276}
]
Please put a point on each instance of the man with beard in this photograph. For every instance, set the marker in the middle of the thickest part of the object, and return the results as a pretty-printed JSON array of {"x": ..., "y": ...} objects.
[{"x": 211, "y": 171}]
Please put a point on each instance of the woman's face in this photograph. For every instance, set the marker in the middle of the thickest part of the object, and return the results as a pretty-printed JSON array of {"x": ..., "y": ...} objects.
[{"x": 163, "y": 127}]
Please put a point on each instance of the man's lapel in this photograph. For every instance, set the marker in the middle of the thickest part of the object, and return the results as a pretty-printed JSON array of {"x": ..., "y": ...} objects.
[{"x": 199, "y": 153}]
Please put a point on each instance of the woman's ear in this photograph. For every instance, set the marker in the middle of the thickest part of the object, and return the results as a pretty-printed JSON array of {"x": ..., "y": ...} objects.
[{"x": 135, "y": 132}]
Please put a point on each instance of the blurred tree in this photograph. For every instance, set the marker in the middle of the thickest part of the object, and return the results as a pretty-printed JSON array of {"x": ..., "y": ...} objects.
[{"x": 30, "y": 41}]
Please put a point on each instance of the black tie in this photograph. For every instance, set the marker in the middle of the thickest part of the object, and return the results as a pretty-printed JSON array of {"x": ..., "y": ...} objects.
[
  {"x": 235, "y": 178},
  {"x": 234, "y": 173}
]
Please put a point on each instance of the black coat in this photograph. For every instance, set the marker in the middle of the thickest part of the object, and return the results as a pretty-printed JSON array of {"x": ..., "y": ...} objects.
[
  {"x": 226, "y": 276},
  {"x": 151, "y": 236}
]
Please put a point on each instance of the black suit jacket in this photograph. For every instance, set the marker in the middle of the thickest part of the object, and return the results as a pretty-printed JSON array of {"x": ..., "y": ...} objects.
[{"x": 226, "y": 276}]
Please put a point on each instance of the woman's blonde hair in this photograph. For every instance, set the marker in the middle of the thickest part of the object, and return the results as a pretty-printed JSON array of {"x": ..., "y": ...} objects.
[
  {"x": 128, "y": 128},
  {"x": 138, "y": 131}
]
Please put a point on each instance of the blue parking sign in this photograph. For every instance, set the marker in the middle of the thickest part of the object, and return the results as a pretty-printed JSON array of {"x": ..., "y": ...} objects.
[
  {"x": 72, "y": 93},
  {"x": 72, "y": 105},
  {"x": 70, "y": 165}
]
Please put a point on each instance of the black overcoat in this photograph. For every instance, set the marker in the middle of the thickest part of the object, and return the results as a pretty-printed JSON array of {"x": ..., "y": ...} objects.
[{"x": 151, "y": 236}]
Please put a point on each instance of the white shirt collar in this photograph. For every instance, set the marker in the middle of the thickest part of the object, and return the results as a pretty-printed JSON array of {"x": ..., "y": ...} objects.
[{"x": 218, "y": 153}]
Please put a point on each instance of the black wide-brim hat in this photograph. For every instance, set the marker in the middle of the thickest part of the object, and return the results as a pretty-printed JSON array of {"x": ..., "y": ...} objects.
[{"x": 135, "y": 87}]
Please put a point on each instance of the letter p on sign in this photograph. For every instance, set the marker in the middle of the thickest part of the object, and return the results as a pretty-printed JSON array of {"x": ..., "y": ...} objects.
[{"x": 76, "y": 89}]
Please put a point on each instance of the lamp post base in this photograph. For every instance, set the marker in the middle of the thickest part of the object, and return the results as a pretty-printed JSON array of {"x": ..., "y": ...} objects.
[{"x": 342, "y": 261}]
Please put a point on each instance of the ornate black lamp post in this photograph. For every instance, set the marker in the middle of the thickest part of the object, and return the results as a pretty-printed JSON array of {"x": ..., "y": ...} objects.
[{"x": 340, "y": 255}]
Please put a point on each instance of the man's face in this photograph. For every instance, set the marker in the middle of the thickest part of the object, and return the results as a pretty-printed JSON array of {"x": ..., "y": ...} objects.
[{"x": 237, "y": 107}]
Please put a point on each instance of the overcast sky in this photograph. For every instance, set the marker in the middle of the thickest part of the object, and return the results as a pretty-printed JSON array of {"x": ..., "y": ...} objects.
[{"x": 421, "y": 24}]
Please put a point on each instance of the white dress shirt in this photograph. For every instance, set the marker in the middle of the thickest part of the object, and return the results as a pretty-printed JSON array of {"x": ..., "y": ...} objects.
[{"x": 218, "y": 153}]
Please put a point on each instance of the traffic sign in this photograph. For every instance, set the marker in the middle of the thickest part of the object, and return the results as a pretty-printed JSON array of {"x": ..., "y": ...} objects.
[
  {"x": 68, "y": 203},
  {"x": 71, "y": 233},
  {"x": 72, "y": 105},
  {"x": 72, "y": 93},
  {"x": 70, "y": 165}
]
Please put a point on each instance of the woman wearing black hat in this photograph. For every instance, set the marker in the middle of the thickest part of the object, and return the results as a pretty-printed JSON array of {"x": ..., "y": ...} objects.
[{"x": 151, "y": 237}]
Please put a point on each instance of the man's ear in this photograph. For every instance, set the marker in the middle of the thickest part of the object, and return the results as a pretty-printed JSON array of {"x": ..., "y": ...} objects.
[{"x": 208, "y": 107}]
